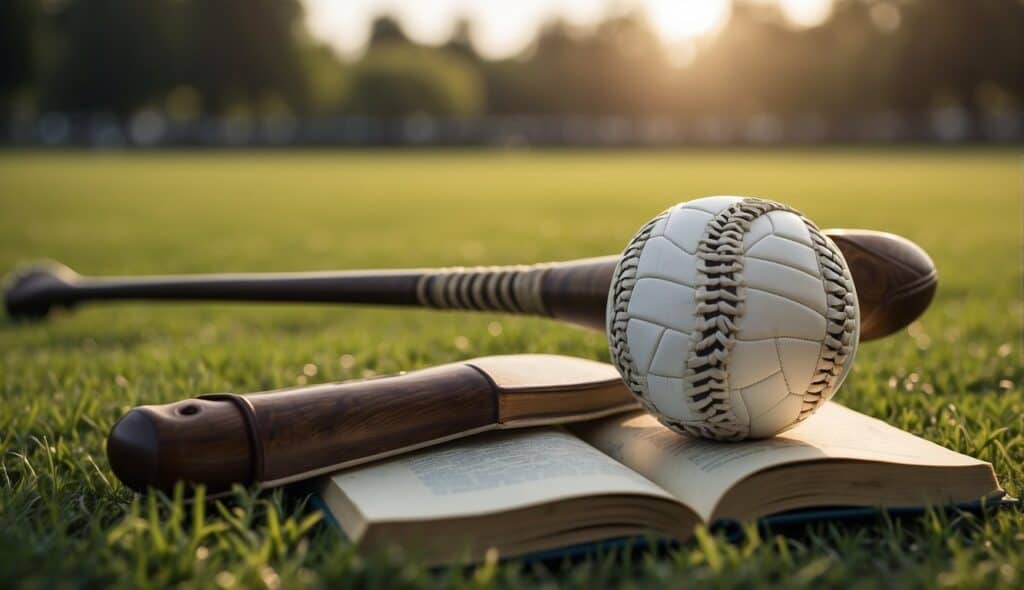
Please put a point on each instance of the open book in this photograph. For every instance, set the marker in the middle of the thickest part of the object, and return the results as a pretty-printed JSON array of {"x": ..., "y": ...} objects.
[{"x": 545, "y": 488}]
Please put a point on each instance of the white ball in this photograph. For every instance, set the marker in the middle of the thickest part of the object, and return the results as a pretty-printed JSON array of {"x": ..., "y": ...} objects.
[{"x": 732, "y": 317}]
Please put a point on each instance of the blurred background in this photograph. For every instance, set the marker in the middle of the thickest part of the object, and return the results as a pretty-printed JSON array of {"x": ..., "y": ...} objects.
[{"x": 111, "y": 73}]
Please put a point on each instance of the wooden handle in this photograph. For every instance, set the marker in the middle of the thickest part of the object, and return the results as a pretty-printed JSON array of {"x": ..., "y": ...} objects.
[
  {"x": 318, "y": 428},
  {"x": 276, "y": 437},
  {"x": 279, "y": 436},
  {"x": 33, "y": 293},
  {"x": 574, "y": 291},
  {"x": 577, "y": 291}
]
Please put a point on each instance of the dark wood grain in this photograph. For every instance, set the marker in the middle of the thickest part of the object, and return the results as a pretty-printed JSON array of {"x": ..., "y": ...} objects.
[
  {"x": 577, "y": 291},
  {"x": 312, "y": 428},
  {"x": 895, "y": 279},
  {"x": 33, "y": 293},
  {"x": 196, "y": 441},
  {"x": 298, "y": 431}
]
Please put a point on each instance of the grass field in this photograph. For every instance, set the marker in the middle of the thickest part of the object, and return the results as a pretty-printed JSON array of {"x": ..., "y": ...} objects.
[{"x": 955, "y": 377}]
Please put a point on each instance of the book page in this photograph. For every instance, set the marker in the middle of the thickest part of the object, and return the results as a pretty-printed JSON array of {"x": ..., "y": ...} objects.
[
  {"x": 490, "y": 472},
  {"x": 698, "y": 472}
]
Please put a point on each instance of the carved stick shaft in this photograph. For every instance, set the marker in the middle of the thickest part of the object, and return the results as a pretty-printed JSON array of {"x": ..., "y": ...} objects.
[
  {"x": 221, "y": 439},
  {"x": 384, "y": 287},
  {"x": 573, "y": 291}
]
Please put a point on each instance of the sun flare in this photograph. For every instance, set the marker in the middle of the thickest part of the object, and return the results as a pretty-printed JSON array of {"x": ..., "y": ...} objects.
[{"x": 679, "y": 20}]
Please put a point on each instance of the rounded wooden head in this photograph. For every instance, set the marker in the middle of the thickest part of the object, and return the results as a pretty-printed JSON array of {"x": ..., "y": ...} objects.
[
  {"x": 194, "y": 441},
  {"x": 31, "y": 293},
  {"x": 896, "y": 279}
]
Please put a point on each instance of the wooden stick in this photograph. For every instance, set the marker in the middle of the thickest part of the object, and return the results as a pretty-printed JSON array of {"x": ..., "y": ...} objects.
[
  {"x": 894, "y": 278},
  {"x": 574, "y": 291},
  {"x": 281, "y": 436}
]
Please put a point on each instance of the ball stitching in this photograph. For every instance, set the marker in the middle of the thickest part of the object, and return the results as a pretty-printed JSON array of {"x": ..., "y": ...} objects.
[
  {"x": 719, "y": 300},
  {"x": 623, "y": 282},
  {"x": 719, "y": 305},
  {"x": 841, "y": 323}
]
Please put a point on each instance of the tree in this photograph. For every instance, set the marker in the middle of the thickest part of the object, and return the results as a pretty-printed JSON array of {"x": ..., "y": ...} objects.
[
  {"x": 619, "y": 69},
  {"x": 113, "y": 55},
  {"x": 869, "y": 56},
  {"x": 386, "y": 31},
  {"x": 19, "y": 22},
  {"x": 329, "y": 79},
  {"x": 245, "y": 51},
  {"x": 951, "y": 49},
  {"x": 397, "y": 80}
]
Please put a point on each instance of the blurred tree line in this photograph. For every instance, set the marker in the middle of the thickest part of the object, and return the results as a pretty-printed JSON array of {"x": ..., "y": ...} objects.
[{"x": 255, "y": 58}]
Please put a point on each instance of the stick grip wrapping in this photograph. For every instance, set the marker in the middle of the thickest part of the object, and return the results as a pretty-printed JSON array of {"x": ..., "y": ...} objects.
[
  {"x": 575, "y": 291},
  {"x": 511, "y": 289}
]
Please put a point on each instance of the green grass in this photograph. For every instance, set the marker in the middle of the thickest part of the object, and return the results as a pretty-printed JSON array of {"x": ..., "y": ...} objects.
[{"x": 954, "y": 378}]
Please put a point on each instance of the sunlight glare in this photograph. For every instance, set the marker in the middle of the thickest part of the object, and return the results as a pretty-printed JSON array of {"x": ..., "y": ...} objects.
[
  {"x": 806, "y": 13},
  {"x": 680, "y": 20}
]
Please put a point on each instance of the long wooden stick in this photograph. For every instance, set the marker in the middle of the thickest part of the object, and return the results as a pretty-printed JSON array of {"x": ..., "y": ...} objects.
[
  {"x": 894, "y": 278},
  {"x": 543, "y": 289}
]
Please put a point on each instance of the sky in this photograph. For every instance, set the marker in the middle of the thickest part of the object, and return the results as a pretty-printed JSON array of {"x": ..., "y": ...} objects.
[{"x": 502, "y": 28}]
